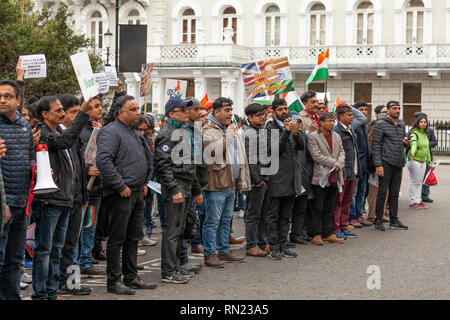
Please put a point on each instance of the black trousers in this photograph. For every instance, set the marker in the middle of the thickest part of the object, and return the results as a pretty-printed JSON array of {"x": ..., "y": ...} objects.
[
  {"x": 255, "y": 217},
  {"x": 101, "y": 230},
  {"x": 124, "y": 231},
  {"x": 299, "y": 216},
  {"x": 72, "y": 235},
  {"x": 391, "y": 182},
  {"x": 278, "y": 221},
  {"x": 322, "y": 210},
  {"x": 174, "y": 224}
]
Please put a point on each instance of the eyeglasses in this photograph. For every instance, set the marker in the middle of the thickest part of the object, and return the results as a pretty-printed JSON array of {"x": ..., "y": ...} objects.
[
  {"x": 185, "y": 109},
  {"x": 7, "y": 96},
  {"x": 259, "y": 115}
]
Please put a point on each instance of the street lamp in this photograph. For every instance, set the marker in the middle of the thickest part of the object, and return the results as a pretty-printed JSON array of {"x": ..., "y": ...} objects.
[{"x": 108, "y": 36}]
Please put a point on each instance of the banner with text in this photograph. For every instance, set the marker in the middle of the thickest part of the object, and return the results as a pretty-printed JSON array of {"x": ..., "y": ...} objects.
[
  {"x": 85, "y": 76},
  {"x": 35, "y": 66},
  {"x": 102, "y": 82}
]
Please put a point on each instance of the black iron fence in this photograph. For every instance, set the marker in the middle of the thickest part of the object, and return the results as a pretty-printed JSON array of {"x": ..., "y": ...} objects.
[{"x": 442, "y": 132}]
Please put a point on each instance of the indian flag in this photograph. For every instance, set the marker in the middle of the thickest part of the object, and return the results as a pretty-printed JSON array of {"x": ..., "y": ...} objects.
[
  {"x": 336, "y": 104},
  {"x": 293, "y": 101},
  {"x": 266, "y": 100},
  {"x": 321, "y": 69}
]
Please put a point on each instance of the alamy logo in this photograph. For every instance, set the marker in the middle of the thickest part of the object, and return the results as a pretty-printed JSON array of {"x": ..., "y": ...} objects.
[
  {"x": 374, "y": 281},
  {"x": 74, "y": 280}
]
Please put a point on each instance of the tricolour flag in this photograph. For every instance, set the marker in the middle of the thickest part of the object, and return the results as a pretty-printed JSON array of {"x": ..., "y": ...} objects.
[
  {"x": 336, "y": 104},
  {"x": 293, "y": 101},
  {"x": 321, "y": 69}
]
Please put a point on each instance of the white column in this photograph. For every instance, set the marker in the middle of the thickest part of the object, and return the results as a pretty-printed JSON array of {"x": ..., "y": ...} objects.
[
  {"x": 200, "y": 85},
  {"x": 399, "y": 23},
  {"x": 239, "y": 98},
  {"x": 349, "y": 28},
  {"x": 330, "y": 29},
  {"x": 377, "y": 27},
  {"x": 428, "y": 26},
  {"x": 157, "y": 88},
  {"x": 259, "y": 31},
  {"x": 303, "y": 31}
]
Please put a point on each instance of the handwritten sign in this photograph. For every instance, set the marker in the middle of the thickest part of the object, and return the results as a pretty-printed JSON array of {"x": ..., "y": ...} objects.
[
  {"x": 102, "y": 82},
  {"x": 112, "y": 76},
  {"x": 91, "y": 150},
  {"x": 35, "y": 66},
  {"x": 85, "y": 76}
]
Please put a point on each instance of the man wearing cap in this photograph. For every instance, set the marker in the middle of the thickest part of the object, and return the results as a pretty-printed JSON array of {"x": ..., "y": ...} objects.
[{"x": 175, "y": 150}]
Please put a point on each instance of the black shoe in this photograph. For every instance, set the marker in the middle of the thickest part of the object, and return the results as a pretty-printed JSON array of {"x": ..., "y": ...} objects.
[
  {"x": 190, "y": 267},
  {"x": 92, "y": 271},
  {"x": 397, "y": 225},
  {"x": 427, "y": 200},
  {"x": 299, "y": 240},
  {"x": 120, "y": 288},
  {"x": 174, "y": 277},
  {"x": 81, "y": 291},
  {"x": 185, "y": 272},
  {"x": 138, "y": 283},
  {"x": 290, "y": 244},
  {"x": 379, "y": 226},
  {"x": 289, "y": 253},
  {"x": 140, "y": 267},
  {"x": 275, "y": 254}
]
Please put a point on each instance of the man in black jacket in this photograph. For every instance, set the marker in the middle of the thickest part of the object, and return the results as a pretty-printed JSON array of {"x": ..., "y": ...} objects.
[
  {"x": 125, "y": 164},
  {"x": 286, "y": 183},
  {"x": 177, "y": 173},
  {"x": 257, "y": 197},
  {"x": 71, "y": 106},
  {"x": 388, "y": 147},
  {"x": 52, "y": 210}
]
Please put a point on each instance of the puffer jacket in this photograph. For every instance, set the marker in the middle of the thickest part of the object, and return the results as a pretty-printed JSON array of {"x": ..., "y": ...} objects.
[
  {"x": 18, "y": 161},
  {"x": 388, "y": 144}
]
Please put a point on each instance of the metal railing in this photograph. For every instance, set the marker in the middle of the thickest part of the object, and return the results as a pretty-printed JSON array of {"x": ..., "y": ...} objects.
[{"x": 441, "y": 130}]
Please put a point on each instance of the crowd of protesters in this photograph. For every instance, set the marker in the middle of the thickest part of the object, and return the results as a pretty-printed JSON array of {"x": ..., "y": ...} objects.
[{"x": 295, "y": 178}]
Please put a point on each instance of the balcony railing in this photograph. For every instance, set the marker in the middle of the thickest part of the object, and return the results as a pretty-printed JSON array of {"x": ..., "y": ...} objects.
[{"x": 425, "y": 55}]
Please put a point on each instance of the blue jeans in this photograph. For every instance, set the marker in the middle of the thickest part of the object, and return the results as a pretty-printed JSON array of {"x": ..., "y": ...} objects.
[
  {"x": 216, "y": 228},
  {"x": 241, "y": 205},
  {"x": 12, "y": 250},
  {"x": 148, "y": 221},
  {"x": 83, "y": 256},
  {"x": 201, "y": 212},
  {"x": 358, "y": 198},
  {"x": 50, "y": 233}
]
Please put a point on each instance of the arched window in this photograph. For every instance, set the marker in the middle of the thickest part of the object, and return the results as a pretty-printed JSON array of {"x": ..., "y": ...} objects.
[
  {"x": 95, "y": 25},
  {"x": 364, "y": 25},
  {"x": 273, "y": 21},
  {"x": 230, "y": 20},
  {"x": 134, "y": 17},
  {"x": 414, "y": 21},
  {"x": 317, "y": 26},
  {"x": 189, "y": 26}
]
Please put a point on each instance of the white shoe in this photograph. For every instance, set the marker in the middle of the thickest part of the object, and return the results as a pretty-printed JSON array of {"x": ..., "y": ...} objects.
[
  {"x": 141, "y": 252},
  {"x": 241, "y": 213},
  {"x": 23, "y": 286},
  {"x": 146, "y": 241},
  {"x": 26, "y": 278}
]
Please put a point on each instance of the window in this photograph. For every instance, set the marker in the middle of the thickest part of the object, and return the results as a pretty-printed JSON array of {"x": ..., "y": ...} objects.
[
  {"x": 273, "y": 21},
  {"x": 189, "y": 26},
  {"x": 317, "y": 87},
  {"x": 414, "y": 21},
  {"x": 412, "y": 101},
  {"x": 364, "y": 28},
  {"x": 363, "y": 93},
  {"x": 230, "y": 20},
  {"x": 134, "y": 17},
  {"x": 317, "y": 25},
  {"x": 95, "y": 31}
]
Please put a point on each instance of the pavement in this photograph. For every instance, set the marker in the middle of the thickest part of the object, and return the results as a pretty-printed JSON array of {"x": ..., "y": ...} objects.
[{"x": 395, "y": 264}]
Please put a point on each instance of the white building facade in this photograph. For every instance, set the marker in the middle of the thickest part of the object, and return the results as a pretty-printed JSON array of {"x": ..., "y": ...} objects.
[{"x": 380, "y": 50}]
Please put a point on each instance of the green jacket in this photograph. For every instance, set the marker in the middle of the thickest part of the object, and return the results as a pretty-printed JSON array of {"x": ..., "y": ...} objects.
[{"x": 419, "y": 146}]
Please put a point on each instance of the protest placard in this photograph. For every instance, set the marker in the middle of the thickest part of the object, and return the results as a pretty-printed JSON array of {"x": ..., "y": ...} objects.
[
  {"x": 35, "y": 66},
  {"x": 85, "y": 76},
  {"x": 90, "y": 154},
  {"x": 175, "y": 88},
  {"x": 112, "y": 76},
  {"x": 154, "y": 186},
  {"x": 267, "y": 78},
  {"x": 102, "y": 82},
  {"x": 145, "y": 79}
]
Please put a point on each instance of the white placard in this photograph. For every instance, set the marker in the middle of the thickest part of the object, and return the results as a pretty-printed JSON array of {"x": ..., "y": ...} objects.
[
  {"x": 85, "y": 76},
  {"x": 91, "y": 150},
  {"x": 174, "y": 88},
  {"x": 102, "y": 82},
  {"x": 155, "y": 186},
  {"x": 112, "y": 76},
  {"x": 35, "y": 66},
  {"x": 324, "y": 179}
]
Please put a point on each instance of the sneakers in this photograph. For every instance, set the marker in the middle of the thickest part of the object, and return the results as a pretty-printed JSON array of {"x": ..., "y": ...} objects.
[
  {"x": 397, "y": 225},
  {"x": 141, "y": 252},
  {"x": 350, "y": 227},
  {"x": 81, "y": 291},
  {"x": 317, "y": 240},
  {"x": 364, "y": 222},
  {"x": 275, "y": 254},
  {"x": 146, "y": 241},
  {"x": 288, "y": 253},
  {"x": 199, "y": 249},
  {"x": 186, "y": 273},
  {"x": 333, "y": 239},
  {"x": 379, "y": 226},
  {"x": 415, "y": 206},
  {"x": 349, "y": 234},
  {"x": 120, "y": 288},
  {"x": 230, "y": 257},
  {"x": 241, "y": 213},
  {"x": 355, "y": 223},
  {"x": 23, "y": 286},
  {"x": 189, "y": 267},
  {"x": 422, "y": 205},
  {"x": 340, "y": 235},
  {"x": 26, "y": 278},
  {"x": 427, "y": 200},
  {"x": 92, "y": 272},
  {"x": 235, "y": 241},
  {"x": 213, "y": 261},
  {"x": 174, "y": 277},
  {"x": 255, "y": 252}
]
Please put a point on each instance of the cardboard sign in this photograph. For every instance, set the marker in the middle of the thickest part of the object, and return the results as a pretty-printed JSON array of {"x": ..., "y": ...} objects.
[
  {"x": 145, "y": 78},
  {"x": 267, "y": 78},
  {"x": 85, "y": 76},
  {"x": 91, "y": 150},
  {"x": 35, "y": 66},
  {"x": 112, "y": 76},
  {"x": 175, "y": 88},
  {"x": 102, "y": 82}
]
